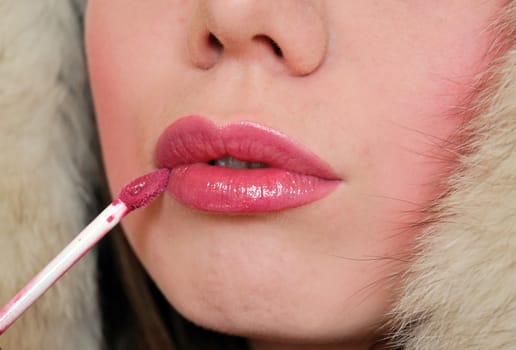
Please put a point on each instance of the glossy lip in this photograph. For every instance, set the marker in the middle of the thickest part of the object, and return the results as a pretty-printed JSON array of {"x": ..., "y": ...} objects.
[{"x": 293, "y": 177}]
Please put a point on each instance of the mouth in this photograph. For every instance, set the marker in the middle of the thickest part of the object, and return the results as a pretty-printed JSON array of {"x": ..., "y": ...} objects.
[{"x": 240, "y": 168}]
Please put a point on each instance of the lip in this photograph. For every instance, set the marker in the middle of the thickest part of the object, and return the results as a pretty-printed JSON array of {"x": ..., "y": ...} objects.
[{"x": 293, "y": 176}]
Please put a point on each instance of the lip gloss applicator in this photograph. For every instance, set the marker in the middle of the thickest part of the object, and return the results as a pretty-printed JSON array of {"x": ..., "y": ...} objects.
[{"x": 137, "y": 194}]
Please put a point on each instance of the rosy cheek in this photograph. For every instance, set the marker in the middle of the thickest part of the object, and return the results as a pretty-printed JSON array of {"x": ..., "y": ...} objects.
[{"x": 116, "y": 132}]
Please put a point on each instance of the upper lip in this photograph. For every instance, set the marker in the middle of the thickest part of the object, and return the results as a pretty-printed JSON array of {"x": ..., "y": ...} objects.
[{"x": 195, "y": 139}]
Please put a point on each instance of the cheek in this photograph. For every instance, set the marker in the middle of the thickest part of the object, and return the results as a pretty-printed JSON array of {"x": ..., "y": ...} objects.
[
  {"x": 130, "y": 69},
  {"x": 118, "y": 76},
  {"x": 399, "y": 129},
  {"x": 114, "y": 131}
]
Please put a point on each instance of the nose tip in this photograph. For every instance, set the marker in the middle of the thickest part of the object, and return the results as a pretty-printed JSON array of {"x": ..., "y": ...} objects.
[{"x": 289, "y": 32}]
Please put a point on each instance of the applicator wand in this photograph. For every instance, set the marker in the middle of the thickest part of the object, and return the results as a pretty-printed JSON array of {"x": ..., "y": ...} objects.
[{"x": 137, "y": 194}]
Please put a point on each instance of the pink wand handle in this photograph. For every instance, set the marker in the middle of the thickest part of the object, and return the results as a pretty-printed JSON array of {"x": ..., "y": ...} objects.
[{"x": 72, "y": 253}]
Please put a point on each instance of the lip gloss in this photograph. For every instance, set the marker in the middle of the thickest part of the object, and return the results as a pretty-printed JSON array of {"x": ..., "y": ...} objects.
[{"x": 279, "y": 174}]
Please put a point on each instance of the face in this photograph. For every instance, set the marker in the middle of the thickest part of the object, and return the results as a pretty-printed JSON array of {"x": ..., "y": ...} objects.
[{"x": 347, "y": 104}]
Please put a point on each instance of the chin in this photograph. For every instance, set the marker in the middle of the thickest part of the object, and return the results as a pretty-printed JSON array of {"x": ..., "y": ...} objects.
[
  {"x": 274, "y": 329},
  {"x": 278, "y": 319}
]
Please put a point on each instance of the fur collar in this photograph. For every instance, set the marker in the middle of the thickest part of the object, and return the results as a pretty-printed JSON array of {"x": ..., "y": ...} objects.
[
  {"x": 461, "y": 290},
  {"x": 47, "y": 162}
]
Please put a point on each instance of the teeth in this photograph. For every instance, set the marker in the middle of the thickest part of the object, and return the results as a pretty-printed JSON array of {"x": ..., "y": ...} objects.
[{"x": 230, "y": 162}]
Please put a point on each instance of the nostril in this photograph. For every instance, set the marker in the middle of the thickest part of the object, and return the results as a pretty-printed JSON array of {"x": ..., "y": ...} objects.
[
  {"x": 269, "y": 41},
  {"x": 214, "y": 43},
  {"x": 276, "y": 48}
]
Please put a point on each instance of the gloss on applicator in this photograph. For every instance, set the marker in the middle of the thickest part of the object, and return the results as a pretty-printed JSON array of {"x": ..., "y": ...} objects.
[{"x": 137, "y": 194}]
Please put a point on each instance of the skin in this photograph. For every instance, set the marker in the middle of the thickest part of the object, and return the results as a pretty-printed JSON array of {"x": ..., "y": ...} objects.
[{"x": 368, "y": 86}]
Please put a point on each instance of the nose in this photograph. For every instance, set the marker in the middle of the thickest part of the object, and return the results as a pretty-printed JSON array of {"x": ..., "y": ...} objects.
[{"x": 289, "y": 32}]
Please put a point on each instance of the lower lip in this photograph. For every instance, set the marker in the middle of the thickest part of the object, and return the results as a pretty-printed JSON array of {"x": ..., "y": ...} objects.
[{"x": 227, "y": 190}]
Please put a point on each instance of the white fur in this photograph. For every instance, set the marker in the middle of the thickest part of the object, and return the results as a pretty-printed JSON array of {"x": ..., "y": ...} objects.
[
  {"x": 461, "y": 291},
  {"x": 46, "y": 161}
]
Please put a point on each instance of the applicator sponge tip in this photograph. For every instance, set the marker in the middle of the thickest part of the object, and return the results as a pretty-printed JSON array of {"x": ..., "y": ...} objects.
[{"x": 143, "y": 190}]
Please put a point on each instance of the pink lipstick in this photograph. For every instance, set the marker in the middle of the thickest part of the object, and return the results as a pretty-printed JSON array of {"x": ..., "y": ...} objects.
[{"x": 240, "y": 168}]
